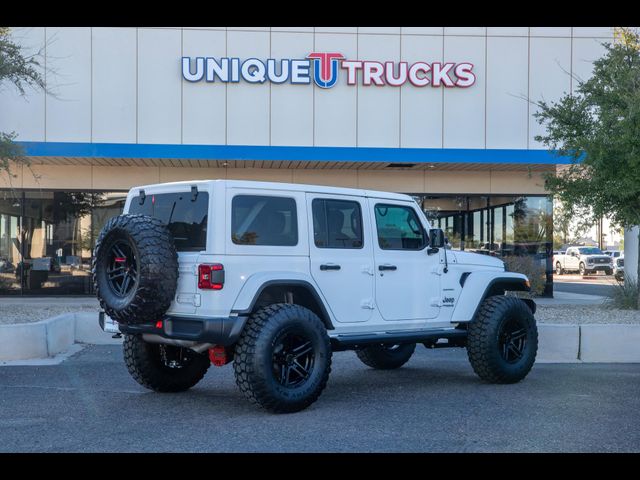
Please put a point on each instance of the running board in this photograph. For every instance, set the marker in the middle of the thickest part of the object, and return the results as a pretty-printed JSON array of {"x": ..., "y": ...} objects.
[{"x": 431, "y": 336}]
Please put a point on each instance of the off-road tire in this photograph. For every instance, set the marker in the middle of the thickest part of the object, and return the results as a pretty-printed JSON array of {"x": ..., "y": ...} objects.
[
  {"x": 145, "y": 364},
  {"x": 484, "y": 346},
  {"x": 255, "y": 358},
  {"x": 386, "y": 357},
  {"x": 559, "y": 269},
  {"x": 156, "y": 258}
]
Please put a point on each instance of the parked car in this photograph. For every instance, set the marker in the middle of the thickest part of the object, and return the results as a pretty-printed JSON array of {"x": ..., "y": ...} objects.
[
  {"x": 618, "y": 268},
  {"x": 584, "y": 260}
]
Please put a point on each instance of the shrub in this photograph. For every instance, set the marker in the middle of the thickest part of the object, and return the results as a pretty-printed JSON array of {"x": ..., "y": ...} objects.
[
  {"x": 532, "y": 268},
  {"x": 624, "y": 296}
]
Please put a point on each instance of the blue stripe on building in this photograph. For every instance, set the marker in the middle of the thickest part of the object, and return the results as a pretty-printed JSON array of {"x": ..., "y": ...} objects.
[{"x": 316, "y": 154}]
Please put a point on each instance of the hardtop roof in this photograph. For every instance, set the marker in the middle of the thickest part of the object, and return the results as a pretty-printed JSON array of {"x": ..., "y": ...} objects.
[{"x": 297, "y": 187}]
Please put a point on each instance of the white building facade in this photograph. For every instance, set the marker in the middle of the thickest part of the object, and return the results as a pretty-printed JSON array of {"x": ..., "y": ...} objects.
[{"x": 442, "y": 113}]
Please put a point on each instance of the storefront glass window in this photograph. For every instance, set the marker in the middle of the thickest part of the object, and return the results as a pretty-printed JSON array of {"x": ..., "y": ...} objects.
[
  {"x": 47, "y": 239},
  {"x": 496, "y": 225}
]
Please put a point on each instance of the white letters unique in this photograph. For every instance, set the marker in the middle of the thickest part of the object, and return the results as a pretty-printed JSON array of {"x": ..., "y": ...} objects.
[
  {"x": 253, "y": 71},
  {"x": 186, "y": 69},
  {"x": 221, "y": 70},
  {"x": 271, "y": 71},
  {"x": 300, "y": 71}
]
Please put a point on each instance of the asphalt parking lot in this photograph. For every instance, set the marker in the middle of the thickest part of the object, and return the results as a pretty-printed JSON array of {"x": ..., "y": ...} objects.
[
  {"x": 435, "y": 403},
  {"x": 602, "y": 285}
]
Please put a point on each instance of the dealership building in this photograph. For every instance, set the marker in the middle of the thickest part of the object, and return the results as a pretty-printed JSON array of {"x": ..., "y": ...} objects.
[{"x": 445, "y": 114}]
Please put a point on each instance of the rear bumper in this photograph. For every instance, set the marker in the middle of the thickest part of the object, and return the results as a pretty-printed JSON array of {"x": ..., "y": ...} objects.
[{"x": 219, "y": 330}]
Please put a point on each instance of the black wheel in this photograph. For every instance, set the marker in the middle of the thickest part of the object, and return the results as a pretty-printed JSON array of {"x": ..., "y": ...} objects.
[
  {"x": 583, "y": 270},
  {"x": 386, "y": 356},
  {"x": 503, "y": 340},
  {"x": 163, "y": 368},
  {"x": 559, "y": 269},
  {"x": 608, "y": 271},
  {"x": 135, "y": 268},
  {"x": 283, "y": 358}
]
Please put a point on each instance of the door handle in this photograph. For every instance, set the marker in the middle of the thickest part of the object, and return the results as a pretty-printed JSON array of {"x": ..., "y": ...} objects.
[
  {"x": 387, "y": 267},
  {"x": 324, "y": 267}
]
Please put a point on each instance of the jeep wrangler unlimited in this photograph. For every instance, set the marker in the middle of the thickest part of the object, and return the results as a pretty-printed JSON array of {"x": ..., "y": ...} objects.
[{"x": 275, "y": 277}]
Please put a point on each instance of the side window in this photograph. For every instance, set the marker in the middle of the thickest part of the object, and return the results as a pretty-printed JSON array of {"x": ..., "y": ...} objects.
[
  {"x": 263, "y": 220},
  {"x": 399, "y": 228},
  {"x": 337, "y": 223}
]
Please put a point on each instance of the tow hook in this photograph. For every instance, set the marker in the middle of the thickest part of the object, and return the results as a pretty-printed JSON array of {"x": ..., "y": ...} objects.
[{"x": 218, "y": 355}]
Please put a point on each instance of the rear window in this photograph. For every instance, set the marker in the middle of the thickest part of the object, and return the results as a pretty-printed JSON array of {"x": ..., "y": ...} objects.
[
  {"x": 185, "y": 216},
  {"x": 263, "y": 220}
]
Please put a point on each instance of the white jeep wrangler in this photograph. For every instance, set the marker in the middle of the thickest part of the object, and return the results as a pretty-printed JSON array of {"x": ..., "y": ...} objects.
[{"x": 275, "y": 277}]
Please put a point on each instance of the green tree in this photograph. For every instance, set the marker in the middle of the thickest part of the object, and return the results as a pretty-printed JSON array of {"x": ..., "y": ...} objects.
[
  {"x": 20, "y": 71},
  {"x": 598, "y": 127}
]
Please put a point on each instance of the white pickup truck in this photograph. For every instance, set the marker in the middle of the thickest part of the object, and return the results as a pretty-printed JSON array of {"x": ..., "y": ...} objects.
[{"x": 585, "y": 260}]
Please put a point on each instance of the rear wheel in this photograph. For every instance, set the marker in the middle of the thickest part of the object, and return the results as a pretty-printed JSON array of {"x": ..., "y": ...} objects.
[
  {"x": 386, "y": 356},
  {"x": 503, "y": 340},
  {"x": 283, "y": 358},
  {"x": 163, "y": 368}
]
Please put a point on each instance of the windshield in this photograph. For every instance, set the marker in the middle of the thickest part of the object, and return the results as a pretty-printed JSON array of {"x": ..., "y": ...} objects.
[{"x": 590, "y": 251}]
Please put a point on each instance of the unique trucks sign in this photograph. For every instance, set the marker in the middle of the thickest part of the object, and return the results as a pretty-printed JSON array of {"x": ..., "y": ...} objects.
[{"x": 324, "y": 68}]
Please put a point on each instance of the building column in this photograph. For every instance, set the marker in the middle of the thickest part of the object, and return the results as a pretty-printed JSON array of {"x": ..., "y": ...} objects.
[{"x": 631, "y": 252}]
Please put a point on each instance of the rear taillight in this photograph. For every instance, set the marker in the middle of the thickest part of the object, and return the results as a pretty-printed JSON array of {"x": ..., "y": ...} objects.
[{"x": 210, "y": 276}]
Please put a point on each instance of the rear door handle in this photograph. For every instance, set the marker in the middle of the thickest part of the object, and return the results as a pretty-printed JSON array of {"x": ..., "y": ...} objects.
[
  {"x": 387, "y": 267},
  {"x": 329, "y": 267}
]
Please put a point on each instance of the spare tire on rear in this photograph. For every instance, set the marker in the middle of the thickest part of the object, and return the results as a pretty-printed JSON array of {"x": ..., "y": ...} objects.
[{"x": 135, "y": 268}]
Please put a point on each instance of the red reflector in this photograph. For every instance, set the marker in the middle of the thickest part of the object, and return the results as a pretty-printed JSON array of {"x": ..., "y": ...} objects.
[
  {"x": 218, "y": 355},
  {"x": 120, "y": 259},
  {"x": 159, "y": 324},
  {"x": 210, "y": 276}
]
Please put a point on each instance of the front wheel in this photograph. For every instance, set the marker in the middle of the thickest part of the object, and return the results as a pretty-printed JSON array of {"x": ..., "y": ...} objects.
[
  {"x": 163, "y": 368},
  {"x": 608, "y": 271},
  {"x": 283, "y": 358},
  {"x": 559, "y": 269},
  {"x": 583, "y": 270},
  {"x": 503, "y": 340},
  {"x": 385, "y": 356}
]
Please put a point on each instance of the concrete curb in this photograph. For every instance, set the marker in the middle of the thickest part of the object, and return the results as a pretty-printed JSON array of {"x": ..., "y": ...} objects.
[
  {"x": 610, "y": 343},
  {"x": 47, "y": 338},
  {"x": 556, "y": 343}
]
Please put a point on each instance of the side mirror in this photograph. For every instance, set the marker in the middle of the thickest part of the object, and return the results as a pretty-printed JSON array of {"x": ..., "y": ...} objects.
[{"x": 436, "y": 238}]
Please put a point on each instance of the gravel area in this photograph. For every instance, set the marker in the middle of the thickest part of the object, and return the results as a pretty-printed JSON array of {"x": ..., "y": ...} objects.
[
  {"x": 33, "y": 313},
  {"x": 580, "y": 314}
]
